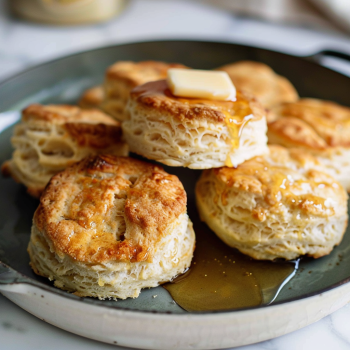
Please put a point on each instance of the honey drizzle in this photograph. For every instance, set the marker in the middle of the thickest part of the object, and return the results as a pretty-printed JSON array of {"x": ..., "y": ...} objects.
[
  {"x": 279, "y": 187},
  {"x": 237, "y": 112},
  {"x": 221, "y": 278},
  {"x": 235, "y": 128}
]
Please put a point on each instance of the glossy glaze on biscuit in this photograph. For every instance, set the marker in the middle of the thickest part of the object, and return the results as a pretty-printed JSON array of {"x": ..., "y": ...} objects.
[
  {"x": 328, "y": 123},
  {"x": 321, "y": 128},
  {"x": 79, "y": 205},
  {"x": 276, "y": 206},
  {"x": 157, "y": 95},
  {"x": 124, "y": 216},
  {"x": 194, "y": 133}
]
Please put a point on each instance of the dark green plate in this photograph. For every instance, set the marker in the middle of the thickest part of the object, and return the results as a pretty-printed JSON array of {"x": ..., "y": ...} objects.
[{"x": 63, "y": 80}]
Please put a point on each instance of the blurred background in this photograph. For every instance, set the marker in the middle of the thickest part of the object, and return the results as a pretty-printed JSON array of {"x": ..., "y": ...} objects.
[{"x": 33, "y": 31}]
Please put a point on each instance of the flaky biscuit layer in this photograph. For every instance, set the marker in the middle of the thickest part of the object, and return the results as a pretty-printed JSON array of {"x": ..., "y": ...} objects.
[
  {"x": 321, "y": 128},
  {"x": 50, "y": 138},
  {"x": 92, "y": 98},
  {"x": 109, "y": 226},
  {"x": 194, "y": 133},
  {"x": 276, "y": 206},
  {"x": 120, "y": 79}
]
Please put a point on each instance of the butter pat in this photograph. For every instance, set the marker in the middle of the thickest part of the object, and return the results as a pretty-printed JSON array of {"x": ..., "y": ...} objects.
[{"x": 203, "y": 84}]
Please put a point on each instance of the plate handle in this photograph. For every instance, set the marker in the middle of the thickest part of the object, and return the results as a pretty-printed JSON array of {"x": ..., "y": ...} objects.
[
  {"x": 318, "y": 56},
  {"x": 10, "y": 279},
  {"x": 333, "y": 59},
  {"x": 14, "y": 282},
  {"x": 3, "y": 270}
]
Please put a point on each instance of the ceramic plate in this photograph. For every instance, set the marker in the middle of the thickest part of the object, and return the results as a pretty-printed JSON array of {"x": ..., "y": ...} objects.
[{"x": 318, "y": 288}]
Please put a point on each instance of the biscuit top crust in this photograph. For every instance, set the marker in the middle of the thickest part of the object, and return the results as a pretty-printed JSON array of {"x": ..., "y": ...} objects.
[
  {"x": 311, "y": 123},
  {"x": 156, "y": 95},
  {"x": 108, "y": 208},
  {"x": 93, "y": 97},
  {"x": 87, "y": 127},
  {"x": 261, "y": 81},
  {"x": 138, "y": 73},
  {"x": 61, "y": 114},
  {"x": 283, "y": 181}
]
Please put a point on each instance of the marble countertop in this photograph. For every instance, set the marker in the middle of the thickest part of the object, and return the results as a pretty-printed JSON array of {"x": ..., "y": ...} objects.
[{"x": 25, "y": 44}]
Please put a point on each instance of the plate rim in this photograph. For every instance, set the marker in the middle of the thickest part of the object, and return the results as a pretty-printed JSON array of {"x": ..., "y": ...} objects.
[
  {"x": 311, "y": 57},
  {"x": 20, "y": 278}
]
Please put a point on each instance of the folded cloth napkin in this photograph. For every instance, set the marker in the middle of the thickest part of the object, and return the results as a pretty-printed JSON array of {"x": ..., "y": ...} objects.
[{"x": 327, "y": 14}]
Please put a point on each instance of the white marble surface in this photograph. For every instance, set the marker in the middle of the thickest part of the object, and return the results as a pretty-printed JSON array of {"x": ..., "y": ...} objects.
[
  {"x": 24, "y": 44},
  {"x": 21, "y": 331}
]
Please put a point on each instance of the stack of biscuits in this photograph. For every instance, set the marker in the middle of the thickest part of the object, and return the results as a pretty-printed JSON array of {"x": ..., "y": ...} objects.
[{"x": 276, "y": 169}]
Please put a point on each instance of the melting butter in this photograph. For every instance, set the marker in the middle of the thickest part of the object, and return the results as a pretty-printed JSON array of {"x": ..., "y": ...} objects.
[
  {"x": 196, "y": 83},
  {"x": 237, "y": 111}
]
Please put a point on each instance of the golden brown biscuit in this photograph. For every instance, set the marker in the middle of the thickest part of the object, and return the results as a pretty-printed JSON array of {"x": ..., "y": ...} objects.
[
  {"x": 193, "y": 133},
  {"x": 109, "y": 226},
  {"x": 321, "y": 128},
  {"x": 92, "y": 98},
  {"x": 274, "y": 206},
  {"x": 50, "y": 138},
  {"x": 120, "y": 79},
  {"x": 262, "y": 82}
]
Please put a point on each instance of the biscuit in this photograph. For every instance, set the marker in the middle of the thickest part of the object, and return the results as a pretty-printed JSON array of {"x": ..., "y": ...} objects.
[
  {"x": 193, "y": 133},
  {"x": 50, "y": 138},
  {"x": 321, "y": 128},
  {"x": 122, "y": 77},
  {"x": 92, "y": 98},
  {"x": 274, "y": 206},
  {"x": 109, "y": 226},
  {"x": 262, "y": 82}
]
